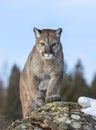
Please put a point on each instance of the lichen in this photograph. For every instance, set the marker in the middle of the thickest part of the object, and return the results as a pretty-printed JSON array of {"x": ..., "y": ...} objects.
[
  {"x": 74, "y": 116},
  {"x": 94, "y": 118},
  {"x": 86, "y": 127},
  {"x": 23, "y": 126},
  {"x": 76, "y": 125}
]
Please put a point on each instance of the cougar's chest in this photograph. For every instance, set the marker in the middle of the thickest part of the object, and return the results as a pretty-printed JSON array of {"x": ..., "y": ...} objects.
[
  {"x": 44, "y": 73},
  {"x": 41, "y": 70}
]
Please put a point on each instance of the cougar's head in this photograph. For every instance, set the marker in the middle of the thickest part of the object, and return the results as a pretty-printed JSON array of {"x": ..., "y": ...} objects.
[{"x": 48, "y": 42}]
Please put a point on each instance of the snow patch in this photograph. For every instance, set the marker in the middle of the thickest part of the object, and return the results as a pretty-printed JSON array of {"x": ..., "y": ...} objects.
[{"x": 89, "y": 105}]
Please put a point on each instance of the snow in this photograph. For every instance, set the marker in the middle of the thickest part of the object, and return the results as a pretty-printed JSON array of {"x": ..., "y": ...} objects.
[{"x": 89, "y": 105}]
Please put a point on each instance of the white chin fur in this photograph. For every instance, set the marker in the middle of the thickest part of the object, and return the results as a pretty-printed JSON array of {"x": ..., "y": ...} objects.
[{"x": 48, "y": 56}]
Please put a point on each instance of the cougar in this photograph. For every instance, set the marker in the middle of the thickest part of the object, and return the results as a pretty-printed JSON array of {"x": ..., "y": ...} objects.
[{"x": 42, "y": 75}]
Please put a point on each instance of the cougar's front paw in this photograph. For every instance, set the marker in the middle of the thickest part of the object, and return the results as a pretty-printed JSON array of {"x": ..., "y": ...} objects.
[
  {"x": 40, "y": 100},
  {"x": 52, "y": 98}
]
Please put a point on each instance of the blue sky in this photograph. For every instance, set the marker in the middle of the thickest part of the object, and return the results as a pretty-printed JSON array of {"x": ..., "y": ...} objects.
[{"x": 77, "y": 18}]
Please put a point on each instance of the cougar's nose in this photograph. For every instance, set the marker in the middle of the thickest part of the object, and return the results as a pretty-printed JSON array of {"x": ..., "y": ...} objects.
[{"x": 48, "y": 51}]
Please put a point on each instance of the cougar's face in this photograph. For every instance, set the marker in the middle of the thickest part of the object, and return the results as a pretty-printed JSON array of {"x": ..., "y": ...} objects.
[
  {"x": 48, "y": 47},
  {"x": 48, "y": 42}
]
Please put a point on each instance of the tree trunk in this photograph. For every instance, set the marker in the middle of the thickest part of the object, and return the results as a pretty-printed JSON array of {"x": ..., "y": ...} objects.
[{"x": 56, "y": 116}]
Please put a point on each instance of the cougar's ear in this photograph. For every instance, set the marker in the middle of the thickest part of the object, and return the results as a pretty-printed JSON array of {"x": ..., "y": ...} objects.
[
  {"x": 37, "y": 32},
  {"x": 58, "y": 32}
]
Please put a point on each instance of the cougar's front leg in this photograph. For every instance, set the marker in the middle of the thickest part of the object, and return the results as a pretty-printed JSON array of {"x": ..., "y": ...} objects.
[
  {"x": 53, "y": 88},
  {"x": 34, "y": 91}
]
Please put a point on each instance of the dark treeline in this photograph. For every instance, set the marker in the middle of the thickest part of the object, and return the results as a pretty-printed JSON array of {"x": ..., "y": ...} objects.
[
  {"x": 10, "y": 105},
  {"x": 74, "y": 86}
]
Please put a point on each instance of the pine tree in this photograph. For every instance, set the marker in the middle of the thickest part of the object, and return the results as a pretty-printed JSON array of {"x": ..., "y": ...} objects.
[
  {"x": 80, "y": 88},
  {"x": 12, "y": 107},
  {"x": 1, "y": 95},
  {"x": 66, "y": 88},
  {"x": 2, "y": 118},
  {"x": 93, "y": 87}
]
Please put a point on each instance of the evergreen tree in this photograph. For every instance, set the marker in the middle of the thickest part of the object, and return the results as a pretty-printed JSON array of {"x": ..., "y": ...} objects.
[
  {"x": 74, "y": 84},
  {"x": 80, "y": 88},
  {"x": 93, "y": 87},
  {"x": 12, "y": 107},
  {"x": 64, "y": 85},
  {"x": 66, "y": 91},
  {"x": 1, "y": 95}
]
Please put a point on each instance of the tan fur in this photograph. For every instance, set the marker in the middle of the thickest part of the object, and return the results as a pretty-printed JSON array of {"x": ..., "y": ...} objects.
[{"x": 42, "y": 75}]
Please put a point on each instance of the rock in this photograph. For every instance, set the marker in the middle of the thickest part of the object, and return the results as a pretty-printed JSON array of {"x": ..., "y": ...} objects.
[{"x": 56, "y": 116}]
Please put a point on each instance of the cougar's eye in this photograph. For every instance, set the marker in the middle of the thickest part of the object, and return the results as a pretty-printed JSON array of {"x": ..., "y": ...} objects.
[
  {"x": 54, "y": 44},
  {"x": 42, "y": 44}
]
